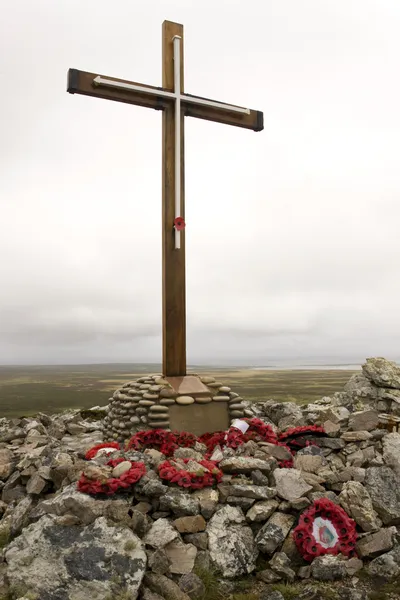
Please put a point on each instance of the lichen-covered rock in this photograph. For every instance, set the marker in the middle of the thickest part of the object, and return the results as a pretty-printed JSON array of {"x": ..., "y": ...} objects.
[
  {"x": 356, "y": 501},
  {"x": 328, "y": 568},
  {"x": 160, "y": 534},
  {"x": 261, "y": 511},
  {"x": 231, "y": 542},
  {"x": 57, "y": 562},
  {"x": 386, "y": 566},
  {"x": 391, "y": 451},
  {"x": 273, "y": 533},
  {"x": 382, "y": 372},
  {"x": 245, "y": 465},
  {"x": 192, "y": 585},
  {"x": 383, "y": 486},
  {"x": 165, "y": 587},
  {"x": 180, "y": 503}
]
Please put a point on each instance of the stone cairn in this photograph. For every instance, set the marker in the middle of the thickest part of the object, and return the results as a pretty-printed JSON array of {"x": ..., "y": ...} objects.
[{"x": 145, "y": 403}]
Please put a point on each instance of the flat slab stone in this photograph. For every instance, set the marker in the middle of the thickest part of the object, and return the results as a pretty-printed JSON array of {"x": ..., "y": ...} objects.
[
  {"x": 189, "y": 385},
  {"x": 199, "y": 418}
]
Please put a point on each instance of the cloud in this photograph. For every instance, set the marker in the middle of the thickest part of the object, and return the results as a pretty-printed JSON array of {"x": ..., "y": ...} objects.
[{"x": 292, "y": 234}]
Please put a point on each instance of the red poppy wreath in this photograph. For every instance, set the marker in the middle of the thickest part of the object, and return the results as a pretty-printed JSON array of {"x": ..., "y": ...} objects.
[
  {"x": 325, "y": 528},
  {"x": 113, "y": 484},
  {"x": 188, "y": 473},
  {"x": 160, "y": 439}
]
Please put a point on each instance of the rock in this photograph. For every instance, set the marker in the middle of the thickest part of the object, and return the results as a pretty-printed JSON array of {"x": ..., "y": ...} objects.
[
  {"x": 290, "y": 484},
  {"x": 246, "y": 465},
  {"x": 53, "y": 561},
  {"x": 300, "y": 503},
  {"x": 188, "y": 453},
  {"x": 244, "y": 503},
  {"x": 13, "y": 490},
  {"x": 35, "y": 485},
  {"x": 278, "y": 452},
  {"x": 70, "y": 501},
  {"x": 200, "y": 540},
  {"x": 192, "y": 585},
  {"x": 181, "y": 557},
  {"x": 353, "y": 566},
  {"x": 273, "y": 533},
  {"x": 366, "y": 420},
  {"x": 160, "y": 584},
  {"x": 203, "y": 561},
  {"x": 280, "y": 564},
  {"x": 356, "y": 501},
  {"x": 231, "y": 542},
  {"x": 382, "y": 372},
  {"x": 160, "y": 534},
  {"x": 356, "y": 436},
  {"x": 386, "y": 566},
  {"x": 180, "y": 503},
  {"x": 331, "y": 429},
  {"x": 261, "y": 511},
  {"x": 374, "y": 544},
  {"x": 259, "y": 479},
  {"x": 328, "y": 568},
  {"x": 121, "y": 468},
  {"x": 185, "y": 400},
  {"x": 268, "y": 576},
  {"x": 252, "y": 491},
  {"x": 158, "y": 562},
  {"x": 190, "y": 524},
  {"x": 19, "y": 517},
  {"x": 208, "y": 500},
  {"x": 391, "y": 451},
  {"x": 383, "y": 486},
  {"x": 6, "y": 463},
  {"x": 309, "y": 463},
  {"x": 147, "y": 594}
]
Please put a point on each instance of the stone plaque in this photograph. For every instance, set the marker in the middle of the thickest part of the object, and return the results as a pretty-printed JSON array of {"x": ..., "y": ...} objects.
[{"x": 199, "y": 418}]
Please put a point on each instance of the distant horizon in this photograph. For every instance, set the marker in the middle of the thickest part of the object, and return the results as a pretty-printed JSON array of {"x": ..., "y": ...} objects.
[{"x": 277, "y": 363}]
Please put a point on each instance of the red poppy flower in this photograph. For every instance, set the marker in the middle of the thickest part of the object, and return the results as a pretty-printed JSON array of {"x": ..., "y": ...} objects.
[{"x": 179, "y": 223}]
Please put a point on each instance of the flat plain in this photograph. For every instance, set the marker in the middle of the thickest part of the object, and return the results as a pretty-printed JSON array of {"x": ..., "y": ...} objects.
[{"x": 27, "y": 390}]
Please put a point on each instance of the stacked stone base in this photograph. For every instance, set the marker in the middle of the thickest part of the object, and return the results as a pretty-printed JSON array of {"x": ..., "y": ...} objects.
[{"x": 145, "y": 404}]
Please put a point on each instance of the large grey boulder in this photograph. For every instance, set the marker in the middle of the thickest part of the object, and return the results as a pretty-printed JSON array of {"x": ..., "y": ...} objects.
[
  {"x": 382, "y": 372},
  {"x": 357, "y": 502},
  {"x": 231, "y": 543},
  {"x": 56, "y": 562},
  {"x": 383, "y": 486}
]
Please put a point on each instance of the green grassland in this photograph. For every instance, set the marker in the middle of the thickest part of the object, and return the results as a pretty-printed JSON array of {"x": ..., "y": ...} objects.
[{"x": 25, "y": 391}]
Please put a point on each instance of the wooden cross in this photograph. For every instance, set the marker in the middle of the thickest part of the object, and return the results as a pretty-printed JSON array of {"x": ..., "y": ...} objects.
[{"x": 175, "y": 104}]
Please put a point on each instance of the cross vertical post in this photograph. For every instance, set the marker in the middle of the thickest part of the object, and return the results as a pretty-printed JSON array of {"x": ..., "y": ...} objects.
[
  {"x": 176, "y": 105},
  {"x": 173, "y": 205}
]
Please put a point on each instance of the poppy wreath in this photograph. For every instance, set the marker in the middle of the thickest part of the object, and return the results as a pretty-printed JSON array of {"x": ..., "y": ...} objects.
[
  {"x": 113, "y": 484},
  {"x": 184, "y": 478},
  {"x": 296, "y": 437},
  {"x": 160, "y": 439},
  {"x": 235, "y": 438},
  {"x": 325, "y": 528},
  {"x": 92, "y": 453}
]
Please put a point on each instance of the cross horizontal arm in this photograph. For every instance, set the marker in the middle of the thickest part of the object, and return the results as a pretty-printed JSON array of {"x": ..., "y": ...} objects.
[{"x": 92, "y": 84}]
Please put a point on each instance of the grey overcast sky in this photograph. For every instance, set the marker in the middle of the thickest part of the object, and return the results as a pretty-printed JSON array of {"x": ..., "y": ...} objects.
[{"x": 293, "y": 245}]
